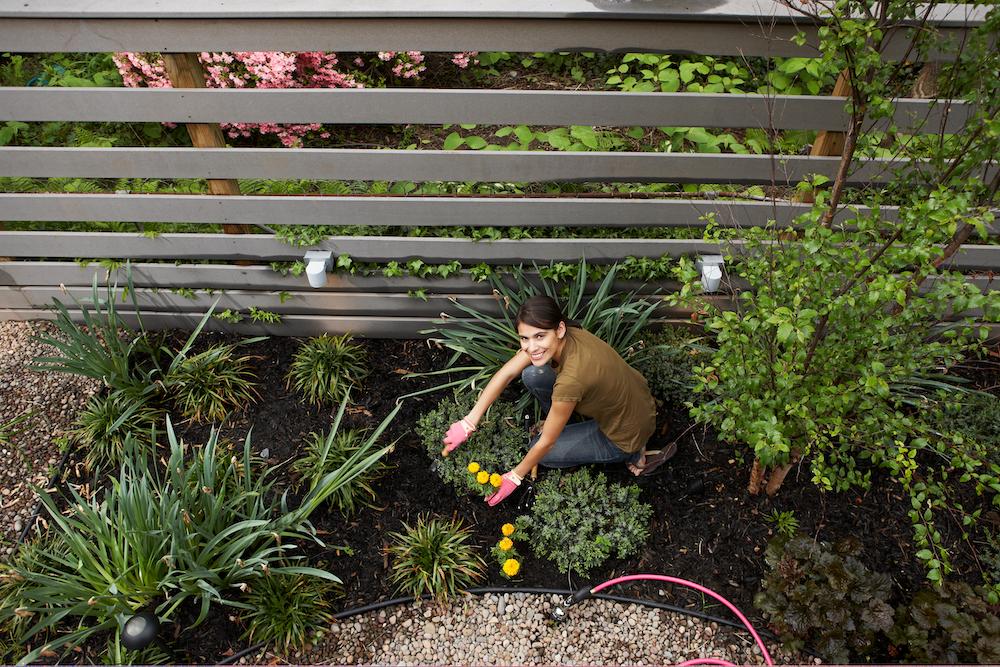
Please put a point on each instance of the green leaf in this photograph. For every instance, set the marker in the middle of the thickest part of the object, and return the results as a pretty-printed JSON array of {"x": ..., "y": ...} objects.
[
  {"x": 475, "y": 143},
  {"x": 524, "y": 134},
  {"x": 687, "y": 70},
  {"x": 453, "y": 141}
]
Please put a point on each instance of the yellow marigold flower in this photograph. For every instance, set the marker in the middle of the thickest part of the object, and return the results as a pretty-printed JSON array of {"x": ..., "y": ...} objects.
[
  {"x": 473, "y": 467},
  {"x": 483, "y": 477},
  {"x": 506, "y": 544},
  {"x": 496, "y": 480},
  {"x": 511, "y": 567},
  {"x": 507, "y": 529}
]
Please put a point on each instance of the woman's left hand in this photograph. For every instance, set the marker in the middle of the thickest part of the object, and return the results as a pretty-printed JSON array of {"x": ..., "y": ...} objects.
[{"x": 511, "y": 481}]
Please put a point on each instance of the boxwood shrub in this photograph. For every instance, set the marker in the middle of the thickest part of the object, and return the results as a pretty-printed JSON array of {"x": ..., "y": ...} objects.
[{"x": 579, "y": 520}]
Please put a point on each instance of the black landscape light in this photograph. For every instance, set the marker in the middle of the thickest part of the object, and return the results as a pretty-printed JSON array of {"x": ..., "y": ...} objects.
[{"x": 140, "y": 631}]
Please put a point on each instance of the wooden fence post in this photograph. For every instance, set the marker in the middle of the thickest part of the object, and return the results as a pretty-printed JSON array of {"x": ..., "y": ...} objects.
[
  {"x": 828, "y": 142},
  {"x": 185, "y": 71}
]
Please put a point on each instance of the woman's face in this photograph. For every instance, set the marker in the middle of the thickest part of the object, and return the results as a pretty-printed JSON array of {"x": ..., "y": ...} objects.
[{"x": 541, "y": 345}]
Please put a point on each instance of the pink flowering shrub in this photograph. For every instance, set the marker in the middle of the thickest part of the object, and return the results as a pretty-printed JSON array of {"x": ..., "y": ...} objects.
[{"x": 277, "y": 69}]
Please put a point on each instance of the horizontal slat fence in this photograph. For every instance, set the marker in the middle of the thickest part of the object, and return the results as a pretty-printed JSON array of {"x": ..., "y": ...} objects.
[
  {"x": 437, "y": 165},
  {"x": 489, "y": 107},
  {"x": 380, "y": 306}
]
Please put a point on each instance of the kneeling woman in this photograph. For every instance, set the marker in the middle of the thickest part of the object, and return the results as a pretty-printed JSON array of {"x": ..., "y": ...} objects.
[{"x": 568, "y": 369}]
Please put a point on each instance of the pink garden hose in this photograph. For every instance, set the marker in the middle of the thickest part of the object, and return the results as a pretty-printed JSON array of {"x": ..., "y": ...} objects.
[{"x": 585, "y": 593}]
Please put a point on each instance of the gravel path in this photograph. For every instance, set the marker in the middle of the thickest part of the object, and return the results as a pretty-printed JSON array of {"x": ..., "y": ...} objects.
[
  {"x": 512, "y": 629},
  {"x": 54, "y": 399}
]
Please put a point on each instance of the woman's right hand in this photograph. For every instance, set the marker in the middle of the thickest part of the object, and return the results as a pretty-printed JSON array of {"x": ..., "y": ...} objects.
[{"x": 456, "y": 435}]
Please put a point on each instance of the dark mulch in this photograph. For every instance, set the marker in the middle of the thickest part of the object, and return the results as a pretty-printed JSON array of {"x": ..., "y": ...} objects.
[{"x": 706, "y": 528}]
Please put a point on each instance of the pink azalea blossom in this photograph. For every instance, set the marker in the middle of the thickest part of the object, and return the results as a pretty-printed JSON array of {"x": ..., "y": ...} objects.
[{"x": 277, "y": 69}]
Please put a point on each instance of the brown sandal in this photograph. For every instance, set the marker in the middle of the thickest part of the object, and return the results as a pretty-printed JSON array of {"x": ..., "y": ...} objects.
[{"x": 656, "y": 458}]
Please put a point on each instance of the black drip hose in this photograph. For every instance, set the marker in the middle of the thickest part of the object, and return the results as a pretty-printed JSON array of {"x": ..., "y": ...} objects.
[{"x": 382, "y": 604}]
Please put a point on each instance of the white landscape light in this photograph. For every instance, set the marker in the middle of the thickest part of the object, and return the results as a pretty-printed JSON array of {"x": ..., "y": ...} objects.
[
  {"x": 711, "y": 271},
  {"x": 318, "y": 262}
]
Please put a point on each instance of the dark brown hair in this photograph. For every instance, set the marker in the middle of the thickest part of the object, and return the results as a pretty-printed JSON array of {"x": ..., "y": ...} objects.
[{"x": 542, "y": 312}]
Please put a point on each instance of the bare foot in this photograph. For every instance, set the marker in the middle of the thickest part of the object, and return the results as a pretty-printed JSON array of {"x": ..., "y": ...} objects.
[{"x": 636, "y": 468}]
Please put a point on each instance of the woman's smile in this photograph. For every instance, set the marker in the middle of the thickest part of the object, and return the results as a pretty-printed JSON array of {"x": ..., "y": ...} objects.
[{"x": 541, "y": 345}]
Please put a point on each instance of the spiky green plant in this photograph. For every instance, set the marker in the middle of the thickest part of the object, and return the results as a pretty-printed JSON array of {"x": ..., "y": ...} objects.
[
  {"x": 325, "y": 368},
  {"x": 434, "y": 557},
  {"x": 324, "y": 453},
  {"x": 102, "y": 427},
  {"x": 285, "y": 609},
  {"x": 208, "y": 526},
  {"x": 208, "y": 386},
  {"x": 107, "y": 349}
]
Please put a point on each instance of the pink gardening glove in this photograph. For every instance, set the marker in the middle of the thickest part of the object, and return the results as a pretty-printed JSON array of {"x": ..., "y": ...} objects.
[
  {"x": 456, "y": 435},
  {"x": 510, "y": 482}
]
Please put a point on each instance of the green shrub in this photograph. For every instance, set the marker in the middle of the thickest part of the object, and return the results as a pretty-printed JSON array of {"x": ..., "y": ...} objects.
[
  {"x": 325, "y": 368},
  {"x": 324, "y": 454},
  {"x": 209, "y": 385},
  {"x": 497, "y": 445},
  {"x": 821, "y": 595},
  {"x": 102, "y": 427},
  {"x": 668, "y": 364},
  {"x": 285, "y": 609},
  {"x": 434, "y": 558},
  {"x": 989, "y": 558},
  {"x": 207, "y": 525},
  {"x": 578, "y": 521},
  {"x": 976, "y": 417},
  {"x": 948, "y": 624}
]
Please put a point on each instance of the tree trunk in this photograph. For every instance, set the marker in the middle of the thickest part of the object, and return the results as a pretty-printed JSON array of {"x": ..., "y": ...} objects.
[
  {"x": 777, "y": 477},
  {"x": 185, "y": 71},
  {"x": 756, "y": 477}
]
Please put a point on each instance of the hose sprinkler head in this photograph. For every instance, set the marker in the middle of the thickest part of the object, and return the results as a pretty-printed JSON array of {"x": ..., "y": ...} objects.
[{"x": 560, "y": 613}]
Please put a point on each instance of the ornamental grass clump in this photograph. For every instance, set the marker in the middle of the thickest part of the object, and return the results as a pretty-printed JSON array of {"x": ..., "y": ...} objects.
[
  {"x": 200, "y": 532},
  {"x": 497, "y": 444},
  {"x": 580, "y": 520},
  {"x": 324, "y": 454},
  {"x": 326, "y": 368},
  {"x": 208, "y": 386},
  {"x": 105, "y": 423},
  {"x": 434, "y": 557},
  {"x": 822, "y": 596},
  {"x": 287, "y": 610}
]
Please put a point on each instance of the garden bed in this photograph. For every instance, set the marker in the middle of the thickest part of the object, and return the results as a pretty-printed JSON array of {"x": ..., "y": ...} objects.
[{"x": 704, "y": 527}]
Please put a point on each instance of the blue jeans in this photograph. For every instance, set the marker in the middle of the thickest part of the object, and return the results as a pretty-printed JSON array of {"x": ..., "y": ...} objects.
[{"x": 580, "y": 442}]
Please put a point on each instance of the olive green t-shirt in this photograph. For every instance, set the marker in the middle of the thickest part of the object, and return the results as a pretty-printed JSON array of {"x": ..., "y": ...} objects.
[{"x": 605, "y": 389}]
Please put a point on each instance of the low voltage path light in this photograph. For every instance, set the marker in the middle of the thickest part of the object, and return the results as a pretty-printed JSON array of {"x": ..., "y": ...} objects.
[
  {"x": 711, "y": 271},
  {"x": 318, "y": 262},
  {"x": 140, "y": 631}
]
